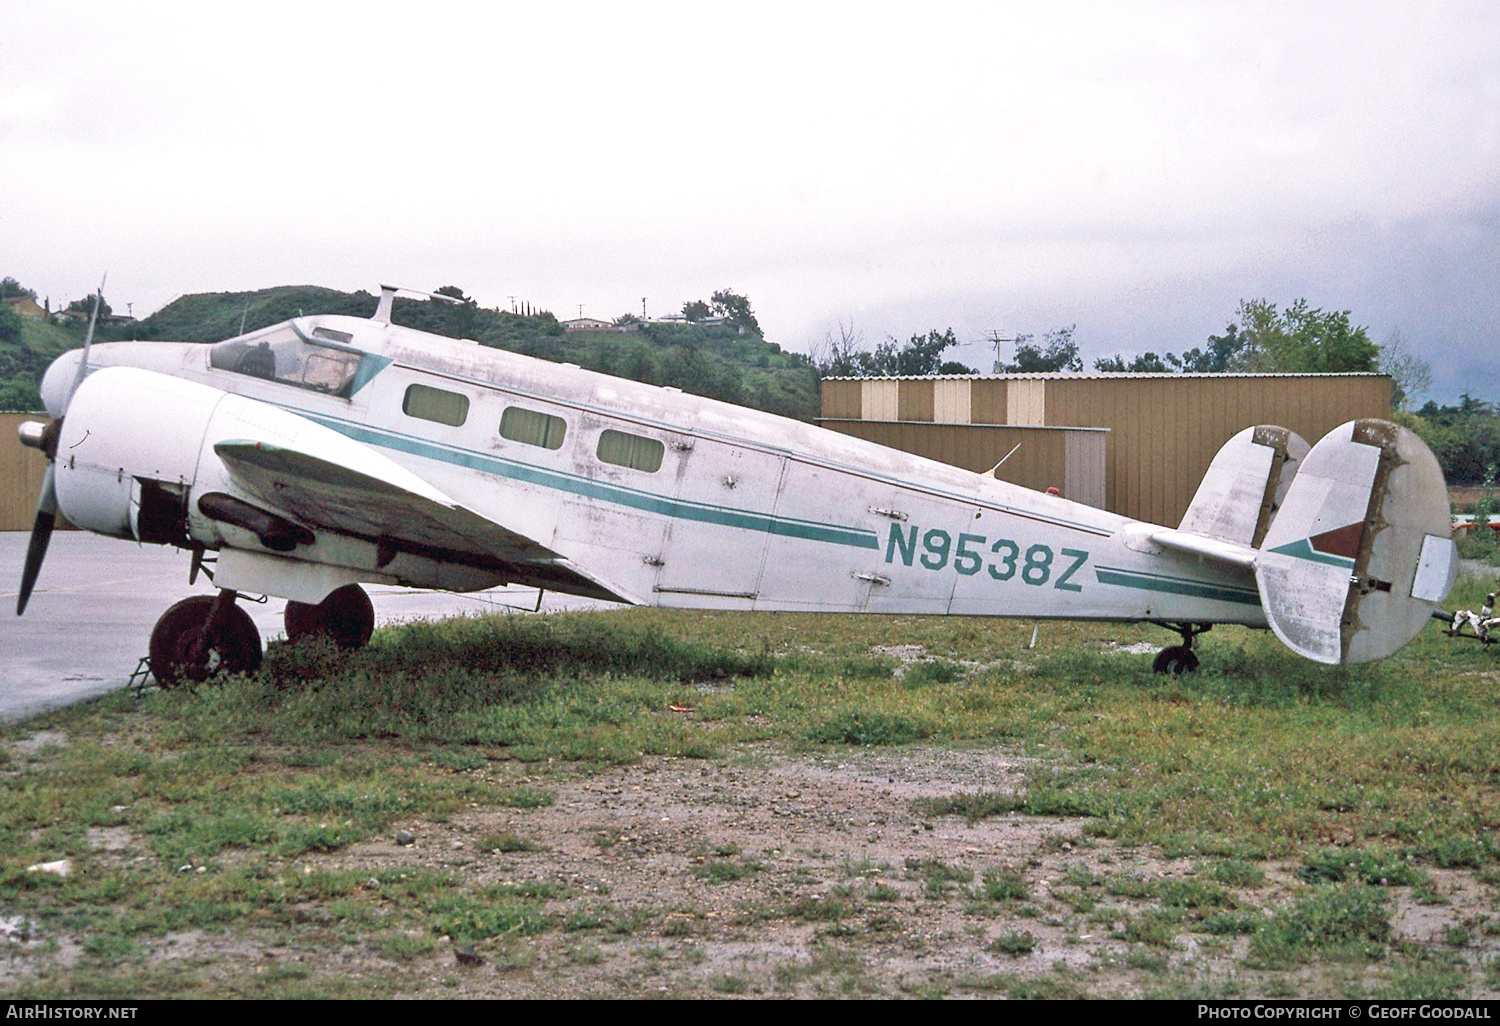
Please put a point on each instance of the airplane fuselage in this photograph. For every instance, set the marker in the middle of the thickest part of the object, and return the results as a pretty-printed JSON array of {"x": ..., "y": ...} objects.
[{"x": 676, "y": 500}]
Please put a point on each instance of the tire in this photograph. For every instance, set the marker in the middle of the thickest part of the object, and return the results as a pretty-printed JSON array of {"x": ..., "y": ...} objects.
[
  {"x": 236, "y": 650},
  {"x": 1176, "y": 660},
  {"x": 346, "y": 616}
]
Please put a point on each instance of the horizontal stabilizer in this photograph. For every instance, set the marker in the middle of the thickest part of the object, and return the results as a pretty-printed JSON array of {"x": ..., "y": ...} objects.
[{"x": 1361, "y": 549}]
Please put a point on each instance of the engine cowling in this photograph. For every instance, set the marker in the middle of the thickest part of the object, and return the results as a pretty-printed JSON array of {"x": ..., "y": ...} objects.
[{"x": 129, "y": 450}]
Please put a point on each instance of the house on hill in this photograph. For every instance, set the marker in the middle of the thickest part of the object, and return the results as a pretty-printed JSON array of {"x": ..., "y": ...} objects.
[
  {"x": 594, "y": 324},
  {"x": 26, "y": 308}
]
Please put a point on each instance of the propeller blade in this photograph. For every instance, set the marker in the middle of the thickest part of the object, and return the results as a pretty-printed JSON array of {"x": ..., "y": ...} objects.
[
  {"x": 88, "y": 341},
  {"x": 41, "y": 534}
]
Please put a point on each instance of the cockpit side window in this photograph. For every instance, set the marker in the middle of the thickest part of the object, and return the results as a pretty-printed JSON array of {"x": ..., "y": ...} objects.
[{"x": 282, "y": 354}]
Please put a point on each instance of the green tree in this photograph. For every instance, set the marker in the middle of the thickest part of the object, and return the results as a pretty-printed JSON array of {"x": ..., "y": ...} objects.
[
  {"x": 921, "y": 354},
  {"x": 1225, "y": 353},
  {"x": 459, "y": 319},
  {"x": 85, "y": 306},
  {"x": 1464, "y": 438},
  {"x": 697, "y": 310},
  {"x": 10, "y": 289},
  {"x": 1301, "y": 339},
  {"x": 735, "y": 309},
  {"x": 1145, "y": 363},
  {"x": 1056, "y": 352},
  {"x": 10, "y": 324}
]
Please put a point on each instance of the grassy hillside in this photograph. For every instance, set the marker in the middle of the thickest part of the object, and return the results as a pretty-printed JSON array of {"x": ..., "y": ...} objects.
[
  {"x": 23, "y": 361},
  {"x": 713, "y": 360},
  {"x": 214, "y": 316}
]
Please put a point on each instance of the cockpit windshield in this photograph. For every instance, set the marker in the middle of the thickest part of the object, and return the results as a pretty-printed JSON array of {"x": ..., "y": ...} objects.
[{"x": 284, "y": 354}]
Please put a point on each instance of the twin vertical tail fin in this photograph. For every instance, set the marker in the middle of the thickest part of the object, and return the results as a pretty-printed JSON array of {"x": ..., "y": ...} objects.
[{"x": 1361, "y": 550}]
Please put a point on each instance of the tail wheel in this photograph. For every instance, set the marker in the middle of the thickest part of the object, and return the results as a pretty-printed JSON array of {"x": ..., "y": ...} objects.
[
  {"x": 346, "y": 616},
  {"x": 180, "y": 652}
]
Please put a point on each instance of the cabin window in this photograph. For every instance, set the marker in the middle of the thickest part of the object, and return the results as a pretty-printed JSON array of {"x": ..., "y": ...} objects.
[
  {"x": 631, "y": 451},
  {"x": 532, "y": 427},
  {"x": 435, "y": 404}
]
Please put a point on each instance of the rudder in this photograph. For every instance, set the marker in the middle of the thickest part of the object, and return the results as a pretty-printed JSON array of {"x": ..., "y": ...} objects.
[{"x": 1361, "y": 550}]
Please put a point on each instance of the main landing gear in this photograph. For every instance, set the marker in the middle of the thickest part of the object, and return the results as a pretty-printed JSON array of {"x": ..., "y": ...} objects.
[
  {"x": 1180, "y": 659},
  {"x": 346, "y": 617},
  {"x": 207, "y": 635},
  {"x": 203, "y": 636}
]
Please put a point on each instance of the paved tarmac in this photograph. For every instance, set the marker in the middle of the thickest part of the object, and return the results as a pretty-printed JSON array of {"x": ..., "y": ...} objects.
[{"x": 90, "y": 617}]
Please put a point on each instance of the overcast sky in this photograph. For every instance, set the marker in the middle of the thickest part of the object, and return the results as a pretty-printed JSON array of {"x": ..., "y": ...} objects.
[{"x": 1134, "y": 168}]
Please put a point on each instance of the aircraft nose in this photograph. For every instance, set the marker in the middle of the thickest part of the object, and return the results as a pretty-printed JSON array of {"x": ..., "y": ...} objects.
[{"x": 57, "y": 381}]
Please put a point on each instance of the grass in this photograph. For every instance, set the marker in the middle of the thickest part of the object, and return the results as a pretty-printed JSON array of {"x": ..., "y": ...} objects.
[{"x": 1259, "y": 756}]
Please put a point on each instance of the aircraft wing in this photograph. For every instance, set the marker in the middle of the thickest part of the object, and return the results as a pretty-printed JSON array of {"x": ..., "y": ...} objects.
[{"x": 399, "y": 512}]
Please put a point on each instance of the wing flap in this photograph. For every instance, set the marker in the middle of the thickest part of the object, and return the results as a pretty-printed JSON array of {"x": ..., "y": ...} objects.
[{"x": 367, "y": 496}]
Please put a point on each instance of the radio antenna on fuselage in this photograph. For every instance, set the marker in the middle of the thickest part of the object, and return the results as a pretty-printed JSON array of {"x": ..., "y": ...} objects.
[{"x": 388, "y": 300}]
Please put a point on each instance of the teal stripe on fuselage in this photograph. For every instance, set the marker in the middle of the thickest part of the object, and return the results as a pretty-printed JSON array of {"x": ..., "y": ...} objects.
[
  {"x": 645, "y": 501},
  {"x": 940, "y": 493},
  {"x": 1175, "y": 585}
]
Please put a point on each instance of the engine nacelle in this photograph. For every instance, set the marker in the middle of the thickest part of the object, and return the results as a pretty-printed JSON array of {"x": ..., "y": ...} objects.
[
  {"x": 135, "y": 460},
  {"x": 128, "y": 453}
]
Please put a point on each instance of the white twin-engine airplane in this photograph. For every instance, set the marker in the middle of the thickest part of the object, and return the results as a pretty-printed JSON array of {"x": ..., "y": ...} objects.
[{"x": 329, "y": 450}]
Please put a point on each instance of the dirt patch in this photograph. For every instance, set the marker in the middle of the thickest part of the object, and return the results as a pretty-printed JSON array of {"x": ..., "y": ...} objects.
[
  {"x": 794, "y": 876},
  {"x": 812, "y": 876}
]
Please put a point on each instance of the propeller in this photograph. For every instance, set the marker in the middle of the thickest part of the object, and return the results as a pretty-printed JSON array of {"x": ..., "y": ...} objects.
[{"x": 46, "y": 440}]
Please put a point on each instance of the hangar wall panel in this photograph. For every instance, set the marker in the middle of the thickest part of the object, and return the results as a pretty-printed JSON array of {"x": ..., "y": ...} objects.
[
  {"x": 21, "y": 470},
  {"x": 1072, "y": 461},
  {"x": 1163, "y": 430}
]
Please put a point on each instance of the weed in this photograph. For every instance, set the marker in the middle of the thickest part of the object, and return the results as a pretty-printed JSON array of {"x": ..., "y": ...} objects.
[
  {"x": 935, "y": 671},
  {"x": 1237, "y": 872},
  {"x": 404, "y": 947},
  {"x": 1013, "y": 943},
  {"x": 717, "y": 871},
  {"x": 1346, "y": 922},
  {"x": 507, "y": 843},
  {"x": 860, "y": 728},
  {"x": 1005, "y": 884},
  {"x": 937, "y": 877},
  {"x": 1373, "y": 866}
]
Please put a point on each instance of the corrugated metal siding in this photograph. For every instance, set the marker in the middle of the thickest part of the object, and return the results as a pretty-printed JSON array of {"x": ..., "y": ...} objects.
[
  {"x": 915, "y": 400},
  {"x": 880, "y": 400},
  {"x": 1084, "y": 457},
  {"x": 1026, "y": 403},
  {"x": 1165, "y": 429},
  {"x": 1041, "y": 462},
  {"x": 987, "y": 402},
  {"x": 841, "y": 398},
  {"x": 952, "y": 402},
  {"x": 21, "y": 469}
]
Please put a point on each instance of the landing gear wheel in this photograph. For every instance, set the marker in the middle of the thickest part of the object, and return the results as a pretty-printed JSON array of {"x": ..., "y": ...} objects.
[
  {"x": 346, "y": 616},
  {"x": 176, "y": 652},
  {"x": 1177, "y": 660}
]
